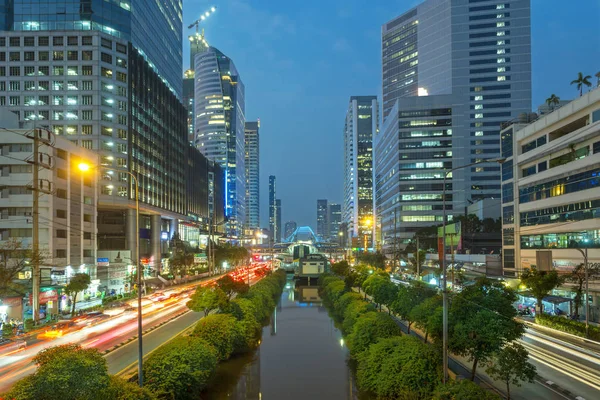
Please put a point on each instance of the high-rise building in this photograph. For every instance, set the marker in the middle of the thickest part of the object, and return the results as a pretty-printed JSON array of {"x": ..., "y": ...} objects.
[
  {"x": 453, "y": 71},
  {"x": 219, "y": 104},
  {"x": 362, "y": 123},
  {"x": 335, "y": 220},
  {"x": 252, "y": 163},
  {"x": 114, "y": 90},
  {"x": 322, "y": 219},
  {"x": 188, "y": 103},
  {"x": 273, "y": 207},
  {"x": 278, "y": 212},
  {"x": 290, "y": 228},
  {"x": 139, "y": 25}
]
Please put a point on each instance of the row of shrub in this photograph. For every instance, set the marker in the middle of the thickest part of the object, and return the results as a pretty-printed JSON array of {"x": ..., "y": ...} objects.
[
  {"x": 185, "y": 366},
  {"x": 567, "y": 325},
  {"x": 388, "y": 363}
]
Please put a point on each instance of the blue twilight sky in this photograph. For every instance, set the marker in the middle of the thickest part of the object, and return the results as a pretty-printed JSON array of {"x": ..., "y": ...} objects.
[{"x": 301, "y": 60}]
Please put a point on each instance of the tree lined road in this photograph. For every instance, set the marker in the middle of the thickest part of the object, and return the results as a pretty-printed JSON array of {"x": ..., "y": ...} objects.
[{"x": 113, "y": 332}]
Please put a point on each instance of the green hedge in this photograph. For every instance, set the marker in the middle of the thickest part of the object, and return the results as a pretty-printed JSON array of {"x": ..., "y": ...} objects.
[{"x": 567, "y": 325}]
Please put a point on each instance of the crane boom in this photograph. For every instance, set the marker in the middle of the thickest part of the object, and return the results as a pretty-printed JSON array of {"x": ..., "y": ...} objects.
[{"x": 205, "y": 15}]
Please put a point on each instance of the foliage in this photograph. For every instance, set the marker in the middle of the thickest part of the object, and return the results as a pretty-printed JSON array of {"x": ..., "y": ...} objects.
[
  {"x": 334, "y": 290},
  {"x": 353, "y": 312},
  {"x": 463, "y": 389},
  {"x": 375, "y": 260},
  {"x": 230, "y": 286},
  {"x": 78, "y": 283},
  {"x": 540, "y": 283},
  {"x": 341, "y": 268},
  {"x": 482, "y": 321},
  {"x": 180, "y": 368},
  {"x": 417, "y": 266},
  {"x": 552, "y": 101},
  {"x": 400, "y": 367},
  {"x": 577, "y": 276},
  {"x": 221, "y": 332},
  {"x": 362, "y": 272},
  {"x": 428, "y": 317},
  {"x": 59, "y": 375},
  {"x": 581, "y": 81},
  {"x": 234, "y": 255},
  {"x": 510, "y": 365},
  {"x": 120, "y": 389},
  {"x": 340, "y": 306},
  {"x": 7, "y": 330},
  {"x": 14, "y": 259},
  {"x": 567, "y": 325},
  {"x": 368, "y": 329},
  {"x": 205, "y": 299},
  {"x": 381, "y": 289},
  {"x": 409, "y": 297}
]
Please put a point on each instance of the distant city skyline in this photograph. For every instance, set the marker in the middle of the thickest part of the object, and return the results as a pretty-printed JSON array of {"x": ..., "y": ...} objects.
[{"x": 349, "y": 37}]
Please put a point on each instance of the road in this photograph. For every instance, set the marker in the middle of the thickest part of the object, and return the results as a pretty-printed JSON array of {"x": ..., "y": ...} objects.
[{"x": 166, "y": 318}]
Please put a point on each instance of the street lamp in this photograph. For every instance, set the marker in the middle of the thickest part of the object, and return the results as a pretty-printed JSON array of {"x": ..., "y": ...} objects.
[
  {"x": 444, "y": 278},
  {"x": 84, "y": 167},
  {"x": 587, "y": 294}
]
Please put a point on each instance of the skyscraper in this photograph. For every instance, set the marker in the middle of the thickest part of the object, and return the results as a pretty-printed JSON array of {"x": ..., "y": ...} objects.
[
  {"x": 278, "y": 212},
  {"x": 322, "y": 219},
  {"x": 335, "y": 220},
  {"x": 252, "y": 158},
  {"x": 219, "y": 103},
  {"x": 272, "y": 207},
  {"x": 453, "y": 71},
  {"x": 114, "y": 90},
  {"x": 290, "y": 227},
  {"x": 362, "y": 123}
]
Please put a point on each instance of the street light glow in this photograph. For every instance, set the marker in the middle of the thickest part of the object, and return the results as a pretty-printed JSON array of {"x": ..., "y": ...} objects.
[{"x": 84, "y": 167}]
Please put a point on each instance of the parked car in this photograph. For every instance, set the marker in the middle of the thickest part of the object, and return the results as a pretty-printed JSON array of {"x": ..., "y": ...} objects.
[{"x": 11, "y": 345}]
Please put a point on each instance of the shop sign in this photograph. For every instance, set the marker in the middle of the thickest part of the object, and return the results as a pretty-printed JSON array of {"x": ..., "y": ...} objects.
[
  {"x": 199, "y": 258},
  {"x": 102, "y": 262},
  {"x": 11, "y": 301},
  {"x": 45, "y": 297}
]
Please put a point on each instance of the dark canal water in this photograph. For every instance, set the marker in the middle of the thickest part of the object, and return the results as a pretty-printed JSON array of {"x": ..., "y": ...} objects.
[{"x": 302, "y": 356}]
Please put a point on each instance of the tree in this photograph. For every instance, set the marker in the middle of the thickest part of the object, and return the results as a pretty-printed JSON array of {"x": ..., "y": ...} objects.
[
  {"x": 428, "y": 316},
  {"x": 462, "y": 389},
  {"x": 409, "y": 297},
  {"x": 577, "y": 276},
  {"x": 206, "y": 299},
  {"x": 230, "y": 286},
  {"x": 510, "y": 365},
  {"x": 413, "y": 261},
  {"x": 375, "y": 260},
  {"x": 399, "y": 367},
  {"x": 581, "y": 81},
  {"x": 341, "y": 268},
  {"x": 14, "y": 259},
  {"x": 380, "y": 288},
  {"x": 540, "y": 283},
  {"x": 222, "y": 332},
  {"x": 78, "y": 283},
  {"x": 482, "y": 321},
  {"x": 552, "y": 101},
  {"x": 368, "y": 329},
  {"x": 181, "y": 368}
]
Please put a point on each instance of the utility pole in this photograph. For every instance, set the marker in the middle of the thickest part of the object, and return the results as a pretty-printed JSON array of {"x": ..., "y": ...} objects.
[
  {"x": 36, "y": 163},
  {"x": 418, "y": 265}
]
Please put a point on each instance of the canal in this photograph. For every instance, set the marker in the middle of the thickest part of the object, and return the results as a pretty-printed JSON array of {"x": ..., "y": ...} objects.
[{"x": 302, "y": 356}]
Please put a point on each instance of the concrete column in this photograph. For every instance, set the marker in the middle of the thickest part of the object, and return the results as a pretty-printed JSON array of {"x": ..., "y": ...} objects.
[
  {"x": 131, "y": 234},
  {"x": 174, "y": 227},
  {"x": 155, "y": 225}
]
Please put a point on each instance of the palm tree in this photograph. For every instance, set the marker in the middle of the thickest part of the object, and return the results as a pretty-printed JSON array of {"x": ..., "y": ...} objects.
[
  {"x": 598, "y": 81},
  {"x": 552, "y": 101},
  {"x": 580, "y": 81}
]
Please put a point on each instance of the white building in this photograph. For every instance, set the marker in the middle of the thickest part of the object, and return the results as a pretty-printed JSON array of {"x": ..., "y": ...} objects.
[{"x": 551, "y": 189}]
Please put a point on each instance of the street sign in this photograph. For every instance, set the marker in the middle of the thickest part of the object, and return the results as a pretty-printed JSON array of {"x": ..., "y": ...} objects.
[{"x": 102, "y": 262}]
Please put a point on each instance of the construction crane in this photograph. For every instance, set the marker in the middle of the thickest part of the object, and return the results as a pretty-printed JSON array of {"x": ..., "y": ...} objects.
[{"x": 202, "y": 18}]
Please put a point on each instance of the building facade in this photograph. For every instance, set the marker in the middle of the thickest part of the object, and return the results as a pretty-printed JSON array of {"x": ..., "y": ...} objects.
[
  {"x": 273, "y": 208},
  {"x": 252, "y": 163},
  {"x": 335, "y": 220},
  {"x": 154, "y": 29},
  {"x": 474, "y": 56},
  {"x": 322, "y": 219},
  {"x": 220, "y": 123},
  {"x": 278, "y": 212},
  {"x": 550, "y": 187},
  {"x": 362, "y": 123},
  {"x": 290, "y": 228}
]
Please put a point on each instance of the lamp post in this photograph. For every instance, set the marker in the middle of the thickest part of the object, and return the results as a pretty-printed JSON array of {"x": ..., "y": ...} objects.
[
  {"x": 587, "y": 294},
  {"x": 83, "y": 167},
  {"x": 444, "y": 280}
]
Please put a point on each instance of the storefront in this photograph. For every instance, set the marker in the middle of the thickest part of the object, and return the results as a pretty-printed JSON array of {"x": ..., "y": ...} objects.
[{"x": 11, "y": 308}]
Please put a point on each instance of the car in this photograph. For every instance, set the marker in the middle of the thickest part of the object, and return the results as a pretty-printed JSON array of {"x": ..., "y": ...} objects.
[
  {"x": 60, "y": 329},
  {"x": 91, "y": 318},
  {"x": 8, "y": 346}
]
